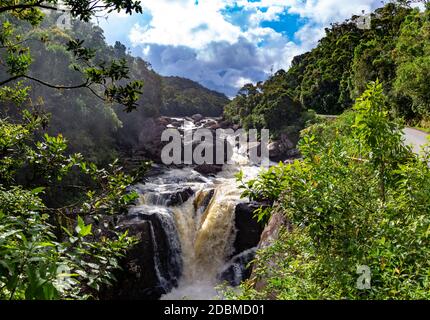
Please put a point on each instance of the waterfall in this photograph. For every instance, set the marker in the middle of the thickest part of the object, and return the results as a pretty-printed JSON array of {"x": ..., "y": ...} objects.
[
  {"x": 198, "y": 228},
  {"x": 206, "y": 236},
  {"x": 196, "y": 217}
]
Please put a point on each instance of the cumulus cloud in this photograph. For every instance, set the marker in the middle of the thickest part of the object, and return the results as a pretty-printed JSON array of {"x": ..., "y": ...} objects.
[{"x": 224, "y": 44}]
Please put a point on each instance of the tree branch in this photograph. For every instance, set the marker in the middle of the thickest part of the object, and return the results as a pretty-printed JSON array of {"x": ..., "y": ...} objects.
[
  {"x": 82, "y": 85},
  {"x": 26, "y": 6},
  {"x": 9, "y": 80}
]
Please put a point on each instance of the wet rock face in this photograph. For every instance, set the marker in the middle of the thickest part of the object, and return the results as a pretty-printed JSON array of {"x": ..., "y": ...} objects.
[
  {"x": 247, "y": 237},
  {"x": 151, "y": 267},
  {"x": 137, "y": 279},
  {"x": 180, "y": 196},
  {"x": 248, "y": 230},
  {"x": 169, "y": 198},
  {"x": 238, "y": 268}
]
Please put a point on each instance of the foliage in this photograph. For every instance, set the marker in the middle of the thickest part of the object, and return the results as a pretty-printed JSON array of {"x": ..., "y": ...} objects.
[
  {"x": 185, "y": 97},
  {"x": 358, "y": 198},
  {"x": 328, "y": 79},
  {"x": 413, "y": 62},
  {"x": 268, "y": 105},
  {"x": 33, "y": 256},
  {"x": 97, "y": 128},
  {"x": 50, "y": 247},
  {"x": 35, "y": 265},
  {"x": 96, "y": 75}
]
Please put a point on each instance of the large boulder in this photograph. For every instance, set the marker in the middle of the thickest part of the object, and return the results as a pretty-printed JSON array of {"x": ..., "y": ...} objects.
[
  {"x": 211, "y": 124},
  {"x": 150, "y": 143},
  {"x": 238, "y": 268},
  {"x": 197, "y": 117},
  {"x": 248, "y": 229},
  {"x": 282, "y": 149},
  {"x": 208, "y": 169},
  {"x": 247, "y": 237},
  {"x": 151, "y": 267}
]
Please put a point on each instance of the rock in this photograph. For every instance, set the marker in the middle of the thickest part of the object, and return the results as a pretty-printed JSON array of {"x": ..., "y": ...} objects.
[
  {"x": 247, "y": 237},
  {"x": 279, "y": 150},
  {"x": 197, "y": 117},
  {"x": 179, "y": 196},
  {"x": 293, "y": 153},
  {"x": 270, "y": 234},
  {"x": 248, "y": 230},
  {"x": 214, "y": 126},
  {"x": 286, "y": 142},
  {"x": 164, "y": 121},
  {"x": 151, "y": 267},
  {"x": 150, "y": 143},
  {"x": 274, "y": 151},
  {"x": 208, "y": 169},
  {"x": 137, "y": 279},
  {"x": 176, "y": 123},
  {"x": 225, "y": 124},
  {"x": 211, "y": 124},
  {"x": 173, "y": 196},
  {"x": 203, "y": 199},
  {"x": 238, "y": 269}
]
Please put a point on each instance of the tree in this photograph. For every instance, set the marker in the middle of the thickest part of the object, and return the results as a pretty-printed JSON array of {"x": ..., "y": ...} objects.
[
  {"x": 50, "y": 244},
  {"x": 96, "y": 75},
  {"x": 413, "y": 62},
  {"x": 357, "y": 200}
]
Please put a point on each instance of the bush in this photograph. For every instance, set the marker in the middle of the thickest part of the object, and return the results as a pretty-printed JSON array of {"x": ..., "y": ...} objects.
[{"x": 358, "y": 198}]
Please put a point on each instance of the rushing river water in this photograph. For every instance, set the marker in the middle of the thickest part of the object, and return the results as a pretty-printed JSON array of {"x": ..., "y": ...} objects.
[{"x": 201, "y": 230}]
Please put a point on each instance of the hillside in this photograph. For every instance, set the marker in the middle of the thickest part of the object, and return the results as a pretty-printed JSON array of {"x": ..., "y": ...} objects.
[
  {"x": 184, "y": 97},
  {"x": 91, "y": 126},
  {"x": 350, "y": 219},
  {"x": 328, "y": 79}
]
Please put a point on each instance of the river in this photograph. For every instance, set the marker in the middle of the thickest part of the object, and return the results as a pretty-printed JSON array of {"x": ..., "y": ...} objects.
[{"x": 197, "y": 213}]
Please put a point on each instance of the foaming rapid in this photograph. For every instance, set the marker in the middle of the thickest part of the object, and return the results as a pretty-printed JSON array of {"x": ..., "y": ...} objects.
[
  {"x": 206, "y": 236},
  {"x": 197, "y": 214}
]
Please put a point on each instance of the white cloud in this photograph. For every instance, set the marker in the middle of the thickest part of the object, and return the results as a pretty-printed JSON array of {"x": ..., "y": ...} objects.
[
  {"x": 182, "y": 22},
  {"x": 204, "y": 42}
]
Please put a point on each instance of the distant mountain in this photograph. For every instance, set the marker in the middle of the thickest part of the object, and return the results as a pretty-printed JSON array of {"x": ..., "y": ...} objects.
[{"x": 184, "y": 97}]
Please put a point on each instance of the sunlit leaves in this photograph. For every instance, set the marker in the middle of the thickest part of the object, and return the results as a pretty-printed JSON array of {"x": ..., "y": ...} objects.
[{"x": 339, "y": 217}]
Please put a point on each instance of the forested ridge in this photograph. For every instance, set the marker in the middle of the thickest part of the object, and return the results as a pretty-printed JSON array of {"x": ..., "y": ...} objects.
[
  {"x": 92, "y": 127},
  {"x": 328, "y": 79},
  {"x": 68, "y": 104}
]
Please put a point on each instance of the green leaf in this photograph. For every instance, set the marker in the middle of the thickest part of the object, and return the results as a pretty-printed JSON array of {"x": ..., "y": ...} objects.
[
  {"x": 82, "y": 229},
  {"x": 38, "y": 190}
]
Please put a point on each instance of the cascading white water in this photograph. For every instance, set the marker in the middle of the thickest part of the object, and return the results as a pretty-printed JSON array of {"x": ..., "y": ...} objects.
[
  {"x": 204, "y": 223},
  {"x": 206, "y": 238}
]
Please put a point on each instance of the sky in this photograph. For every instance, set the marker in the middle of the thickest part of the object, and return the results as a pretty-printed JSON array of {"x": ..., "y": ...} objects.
[{"x": 224, "y": 44}]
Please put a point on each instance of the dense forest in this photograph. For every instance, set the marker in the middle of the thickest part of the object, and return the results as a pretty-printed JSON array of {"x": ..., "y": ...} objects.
[
  {"x": 68, "y": 104},
  {"x": 92, "y": 127},
  {"x": 328, "y": 79}
]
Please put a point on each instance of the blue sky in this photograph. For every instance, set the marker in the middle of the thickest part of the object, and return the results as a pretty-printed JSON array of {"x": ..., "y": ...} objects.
[{"x": 224, "y": 44}]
